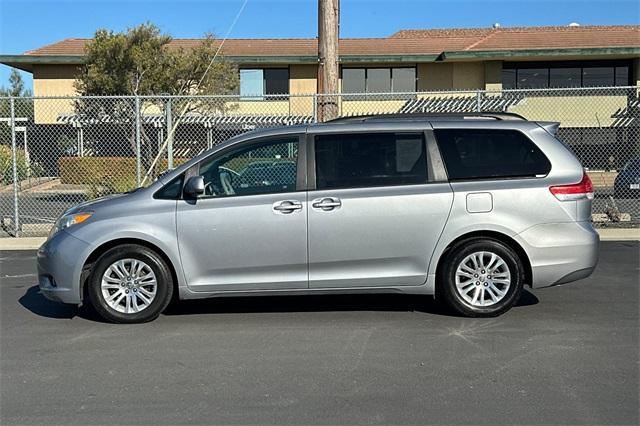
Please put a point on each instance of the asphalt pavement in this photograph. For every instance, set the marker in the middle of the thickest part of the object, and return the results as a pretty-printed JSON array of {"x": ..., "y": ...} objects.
[{"x": 564, "y": 355}]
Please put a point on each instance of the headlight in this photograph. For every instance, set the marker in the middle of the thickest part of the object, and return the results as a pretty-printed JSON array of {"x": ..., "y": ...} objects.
[{"x": 68, "y": 220}]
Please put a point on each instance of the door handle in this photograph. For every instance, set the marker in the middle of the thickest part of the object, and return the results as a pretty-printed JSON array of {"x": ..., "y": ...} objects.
[
  {"x": 287, "y": 206},
  {"x": 326, "y": 204}
]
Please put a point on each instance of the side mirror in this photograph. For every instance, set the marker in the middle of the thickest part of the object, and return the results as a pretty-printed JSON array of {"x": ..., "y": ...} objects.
[{"x": 194, "y": 186}]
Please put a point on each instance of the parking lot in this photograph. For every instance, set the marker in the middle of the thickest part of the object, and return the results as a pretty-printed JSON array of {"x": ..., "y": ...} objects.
[{"x": 566, "y": 354}]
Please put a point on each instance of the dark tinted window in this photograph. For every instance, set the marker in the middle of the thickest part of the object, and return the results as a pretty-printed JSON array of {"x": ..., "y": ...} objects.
[
  {"x": 484, "y": 153},
  {"x": 523, "y": 75},
  {"x": 276, "y": 81},
  {"x": 564, "y": 77},
  {"x": 534, "y": 78},
  {"x": 172, "y": 190},
  {"x": 597, "y": 76},
  {"x": 509, "y": 78},
  {"x": 622, "y": 76},
  {"x": 370, "y": 159}
]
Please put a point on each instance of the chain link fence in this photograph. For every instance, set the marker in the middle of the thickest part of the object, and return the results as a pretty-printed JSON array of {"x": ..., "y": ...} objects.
[{"x": 56, "y": 152}]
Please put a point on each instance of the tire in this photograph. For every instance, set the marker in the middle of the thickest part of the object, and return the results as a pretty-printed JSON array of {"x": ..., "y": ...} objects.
[
  {"x": 130, "y": 284},
  {"x": 469, "y": 291}
]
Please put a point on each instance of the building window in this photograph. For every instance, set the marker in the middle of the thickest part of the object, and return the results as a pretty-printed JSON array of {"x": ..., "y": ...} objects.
[
  {"x": 622, "y": 76},
  {"x": 255, "y": 83},
  {"x": 541, "y": 75},
  {"x": 597, "y": 76},
  {"x": 564, "y": 77},
  {"x": 533, "y": 78},
  {"x": 378, "y": 80}
]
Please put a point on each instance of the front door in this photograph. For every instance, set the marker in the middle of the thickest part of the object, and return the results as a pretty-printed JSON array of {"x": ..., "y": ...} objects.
[
  {"x": 375, "y": 216},
  {"x": 248, "y": 231}
]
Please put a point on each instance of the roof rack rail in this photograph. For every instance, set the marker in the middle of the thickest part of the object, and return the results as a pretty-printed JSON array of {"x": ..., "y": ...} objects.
[{"x": 429, "y": 116}]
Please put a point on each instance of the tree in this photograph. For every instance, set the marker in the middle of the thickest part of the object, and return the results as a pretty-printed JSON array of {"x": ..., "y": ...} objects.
[
  {"x": 141, "y": 61},
  {"x": 23, "y": 109},
  {"x": 16, "y": 86}
]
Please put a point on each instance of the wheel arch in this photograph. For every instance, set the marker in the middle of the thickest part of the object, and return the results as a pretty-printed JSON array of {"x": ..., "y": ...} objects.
[
  {"x": 503, "y": 238},
  {"x": 104, "y": 247}
]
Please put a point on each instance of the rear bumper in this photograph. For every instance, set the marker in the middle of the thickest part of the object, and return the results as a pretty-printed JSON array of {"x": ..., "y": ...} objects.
[
  {"x": 60, "y": 261},
  {"x": 560, "y": 252}
]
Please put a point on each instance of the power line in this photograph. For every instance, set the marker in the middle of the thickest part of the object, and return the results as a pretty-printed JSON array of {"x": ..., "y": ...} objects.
[{"x": 186, "y": 107}]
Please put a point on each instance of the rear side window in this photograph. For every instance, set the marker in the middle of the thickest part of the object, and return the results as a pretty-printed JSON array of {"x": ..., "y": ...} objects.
[
  {"x": 370, "y": 159},
  {"x": 490, "y": 153}
]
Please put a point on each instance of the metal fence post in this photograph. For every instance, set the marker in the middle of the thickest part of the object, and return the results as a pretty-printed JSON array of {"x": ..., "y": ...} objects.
[
  {"x": 138, "y": 154},
  {"x": 169, "y": 121},
  {"x": 14, "y": 159},
  {"x": 478, "y": 101},
  {"x": 315, "y": 107}
]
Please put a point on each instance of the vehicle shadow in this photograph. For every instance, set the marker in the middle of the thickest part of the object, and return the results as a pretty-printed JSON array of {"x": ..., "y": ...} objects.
[
  {"x": 39, "y": 305},
  {"x": 35, "y": 302},
  {"x": 322, "y": 303}
]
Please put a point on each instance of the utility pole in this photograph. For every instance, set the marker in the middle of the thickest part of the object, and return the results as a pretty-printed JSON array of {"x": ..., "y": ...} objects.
[{"x": 328, "y": 34}]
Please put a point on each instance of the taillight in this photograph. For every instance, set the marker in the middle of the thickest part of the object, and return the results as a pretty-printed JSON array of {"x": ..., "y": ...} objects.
[{"x": 575, "y": 191}]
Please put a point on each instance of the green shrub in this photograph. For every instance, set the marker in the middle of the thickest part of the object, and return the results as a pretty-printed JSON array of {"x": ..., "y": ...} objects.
[
  {"x": 23, "y": 168},
  {"x": 103, "y": 175}
]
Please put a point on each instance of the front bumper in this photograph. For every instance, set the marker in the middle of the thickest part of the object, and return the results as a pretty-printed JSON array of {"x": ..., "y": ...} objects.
[
  {"x": 560, "y": 252},
  {"x": 60, "y": 263}
]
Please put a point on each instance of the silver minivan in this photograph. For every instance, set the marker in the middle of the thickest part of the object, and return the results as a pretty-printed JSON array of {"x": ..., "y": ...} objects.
[{"x": 469, "y": 208}]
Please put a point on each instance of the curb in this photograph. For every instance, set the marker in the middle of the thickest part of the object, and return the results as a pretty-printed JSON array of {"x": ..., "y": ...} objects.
[{"x": 33, "y": 243}]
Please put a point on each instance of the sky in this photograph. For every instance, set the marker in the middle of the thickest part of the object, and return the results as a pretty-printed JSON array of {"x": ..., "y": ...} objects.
[{"x": 26, "y": 24}]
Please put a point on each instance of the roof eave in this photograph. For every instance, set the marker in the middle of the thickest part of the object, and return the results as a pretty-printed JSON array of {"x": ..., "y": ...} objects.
[
  {"x": 26, "y": 62},
  {"x": 389, "y": 58},
  {"x": 537, "y": 53}
]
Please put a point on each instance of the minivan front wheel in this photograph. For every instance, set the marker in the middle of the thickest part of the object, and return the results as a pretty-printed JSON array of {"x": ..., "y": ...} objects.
[
  {"x": 481, "y": 277},
  {"x": 130, "y": 284}
]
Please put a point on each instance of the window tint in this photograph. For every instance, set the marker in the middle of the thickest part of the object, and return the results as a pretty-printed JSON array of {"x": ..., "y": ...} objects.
[
  {"x": 262, "y": 168},
  {"x": 172, "y": 190},
  {"x": 622, "y": 76},
  {"x": 403, "y": 80},
  {"x": 375, "y": 80},
  {"x": 564, "y": 77},
  {"x": 485, "y": 153},
  {"x": 597, "y": 76},
  {"x": 378, "y": 80},
  {"x": 369, "y": 159},
  {"x": 509, "y": 78},
  {"x": 353, "y": 80},
  {"x": 276, "y": 81},
  {"x": 534, "y": 78},
  {"x": 254, "y": 83},
  {"x": 523, "y": 75}
]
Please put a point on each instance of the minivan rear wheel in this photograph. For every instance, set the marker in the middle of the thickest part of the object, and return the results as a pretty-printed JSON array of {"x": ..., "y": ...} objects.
[
  {"x": 481, "y": 277},
  {"x": 130, "y": 284}
]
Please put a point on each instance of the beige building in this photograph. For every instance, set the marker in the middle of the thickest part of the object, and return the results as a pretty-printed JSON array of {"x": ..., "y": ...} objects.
[{"x": 406, "y": 62}]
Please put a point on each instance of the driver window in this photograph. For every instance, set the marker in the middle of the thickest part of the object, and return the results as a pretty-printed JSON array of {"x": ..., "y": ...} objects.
[{"x": 262, "y": 168}]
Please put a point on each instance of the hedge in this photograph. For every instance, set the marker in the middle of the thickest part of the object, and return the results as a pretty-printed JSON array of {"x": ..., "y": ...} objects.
[{"x": 104, "y": 175}]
